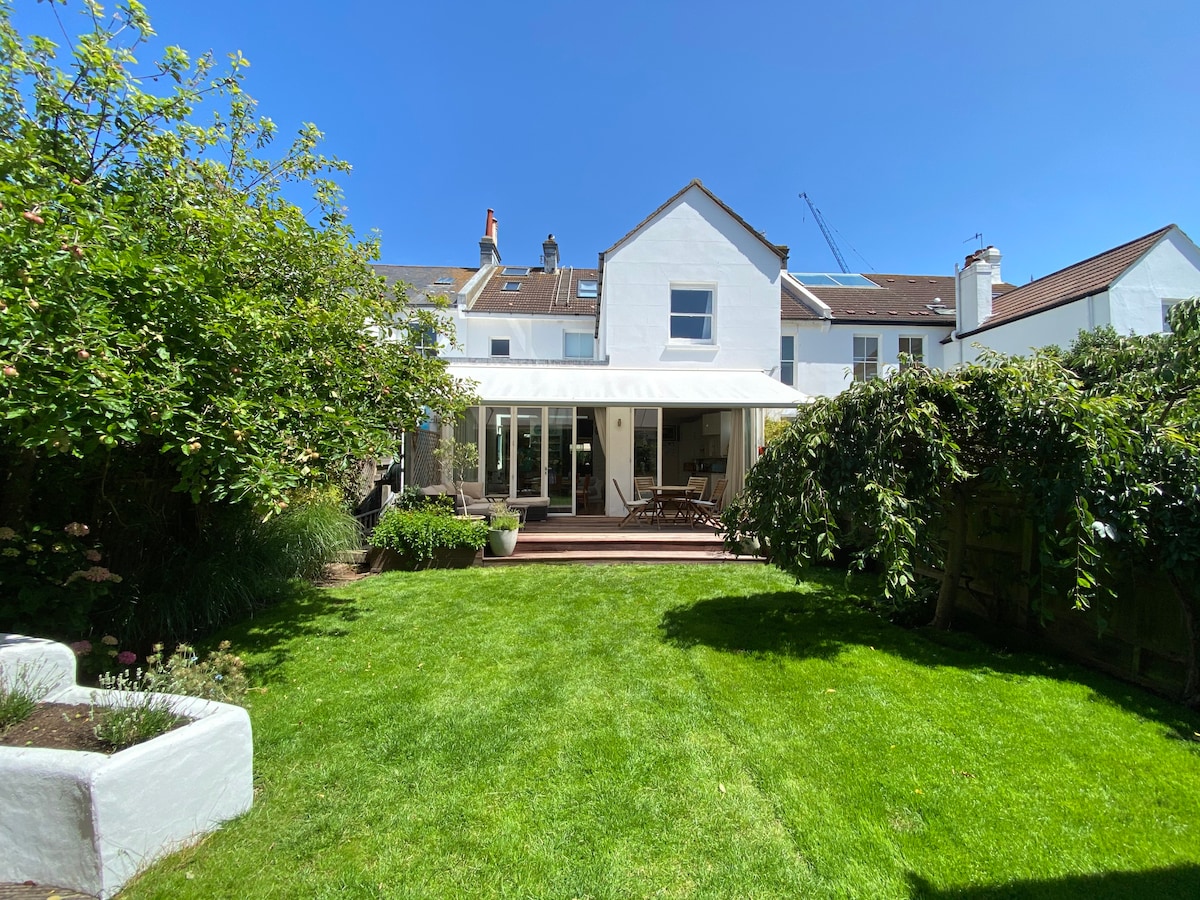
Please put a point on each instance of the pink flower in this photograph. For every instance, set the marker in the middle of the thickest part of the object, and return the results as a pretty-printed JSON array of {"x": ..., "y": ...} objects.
[
  {"x": 92, "y": 556},
  {"x": 76, "y": 529},
  {"x": 126, "y": 657},
  {"x": 82, "y": 648}
]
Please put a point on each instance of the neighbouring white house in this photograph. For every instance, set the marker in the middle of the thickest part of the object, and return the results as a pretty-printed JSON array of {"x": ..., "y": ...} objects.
[{"x": 665, "y": 359}]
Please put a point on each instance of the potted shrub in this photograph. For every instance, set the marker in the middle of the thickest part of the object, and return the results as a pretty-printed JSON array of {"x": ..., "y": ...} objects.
[
  {"x": 502, "y": 529},
  {"x": 430, "y": 538},
  {"x": 457, "y": 458}
]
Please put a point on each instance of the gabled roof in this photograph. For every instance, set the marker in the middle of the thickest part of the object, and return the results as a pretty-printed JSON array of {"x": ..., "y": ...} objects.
[
  {"x": 778, "y": 249},
  {"x": 541, "y": 292},
  {"x": 423, "y": 279},
  {"x": 1083, "y": 279}
]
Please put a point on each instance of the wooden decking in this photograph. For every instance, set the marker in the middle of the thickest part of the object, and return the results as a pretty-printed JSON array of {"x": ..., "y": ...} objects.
[{"x": 598, "y": 539}]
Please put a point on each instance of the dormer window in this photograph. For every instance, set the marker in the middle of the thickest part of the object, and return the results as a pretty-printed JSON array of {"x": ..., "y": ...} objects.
[
  {"x": 512, "y": 285},
  {"x": 589, "y": 289}
]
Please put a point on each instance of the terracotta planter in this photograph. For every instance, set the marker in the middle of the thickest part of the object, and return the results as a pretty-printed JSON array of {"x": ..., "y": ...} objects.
[{"x": 90, "y": 821}]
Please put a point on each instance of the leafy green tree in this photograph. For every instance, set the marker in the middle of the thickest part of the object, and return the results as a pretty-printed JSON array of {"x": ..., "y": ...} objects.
[
  {"x": 176, "y": 339},
  {"x": 1160, "y": 487},
  {"x": 1099, "y": 444}
]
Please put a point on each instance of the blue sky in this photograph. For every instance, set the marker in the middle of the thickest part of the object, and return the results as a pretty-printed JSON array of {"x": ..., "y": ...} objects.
[{"x": 1057, "y": 128}]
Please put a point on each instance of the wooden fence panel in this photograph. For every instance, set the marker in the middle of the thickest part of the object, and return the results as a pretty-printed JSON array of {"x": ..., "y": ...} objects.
[{"x": 1138, "y": 635}]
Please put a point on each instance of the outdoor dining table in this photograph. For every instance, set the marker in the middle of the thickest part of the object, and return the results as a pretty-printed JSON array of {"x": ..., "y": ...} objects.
[{"x": 676, "y": 495}]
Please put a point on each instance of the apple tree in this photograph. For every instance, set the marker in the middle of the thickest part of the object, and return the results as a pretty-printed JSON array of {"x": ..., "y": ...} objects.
[{"x": 177, "y": 339}]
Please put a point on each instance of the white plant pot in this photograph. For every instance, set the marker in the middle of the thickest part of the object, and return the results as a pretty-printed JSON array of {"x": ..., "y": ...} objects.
[
  {"x": 502, "y": 542},
  {"x": 89, "y": 821}
]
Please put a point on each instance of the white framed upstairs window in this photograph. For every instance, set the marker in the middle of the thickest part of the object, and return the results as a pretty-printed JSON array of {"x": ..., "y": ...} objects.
[
  {"x": 500, "y": 347},
  {"x": 692, "y": 314},
  {"x": 866, "y": 356},
  {"x": 1167, "y": 306},
  {"x": 425, "y": 339},
  {"x": 912, "y": 346},
  {"x": 578, "y": 345},
  {"x": 787, "y": 359}
]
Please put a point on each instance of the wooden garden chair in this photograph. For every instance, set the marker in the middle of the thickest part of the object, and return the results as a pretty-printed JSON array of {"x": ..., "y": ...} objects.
[
  {"x": 634, "y": 509},
  {"x": 707, "y": 510}
]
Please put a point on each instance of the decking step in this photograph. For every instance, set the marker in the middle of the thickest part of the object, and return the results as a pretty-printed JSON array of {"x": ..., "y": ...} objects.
[
  {"x": 600, "y": 541},
  {"x": 603, "y": 557}
]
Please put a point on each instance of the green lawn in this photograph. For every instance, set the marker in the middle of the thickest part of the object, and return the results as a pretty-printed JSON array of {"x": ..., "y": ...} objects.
[{"x": 717, "y": 731}]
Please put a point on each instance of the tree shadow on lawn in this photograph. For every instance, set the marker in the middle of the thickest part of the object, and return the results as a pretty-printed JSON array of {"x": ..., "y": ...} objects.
[
  {"x": 825, "y": 614},
  {"x": 305, "y": 613},
  {"x": 1176, "y": 881}
]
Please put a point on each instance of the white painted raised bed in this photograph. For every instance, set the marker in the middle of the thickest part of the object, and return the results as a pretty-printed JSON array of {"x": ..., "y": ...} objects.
[{"x": 90, "y": 822}]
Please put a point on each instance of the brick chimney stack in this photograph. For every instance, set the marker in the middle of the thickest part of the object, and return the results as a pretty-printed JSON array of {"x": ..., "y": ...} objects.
[
  {"x": 489, "y": 250},
  {"x": 550, "y": 254}
]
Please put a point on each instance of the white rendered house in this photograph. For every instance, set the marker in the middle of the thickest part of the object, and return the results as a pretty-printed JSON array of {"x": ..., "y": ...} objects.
[{"x": 666, "y": 358}]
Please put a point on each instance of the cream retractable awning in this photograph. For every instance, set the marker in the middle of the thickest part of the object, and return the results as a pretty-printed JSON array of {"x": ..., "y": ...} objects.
[{"x": 526, "y": 385}]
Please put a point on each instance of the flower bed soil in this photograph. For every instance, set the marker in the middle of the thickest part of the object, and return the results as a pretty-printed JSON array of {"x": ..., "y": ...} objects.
[{"x": 60, "y": 726}]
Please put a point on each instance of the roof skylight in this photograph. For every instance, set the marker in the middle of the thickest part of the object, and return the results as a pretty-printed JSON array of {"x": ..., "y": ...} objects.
[
  {"x": 512, "y": 285},
  {"x": 833, "y": 279},
  {"x": 445, "y": 279},
  {"x": 589, "y": 288},
  {"x": 515, "y": 270}
]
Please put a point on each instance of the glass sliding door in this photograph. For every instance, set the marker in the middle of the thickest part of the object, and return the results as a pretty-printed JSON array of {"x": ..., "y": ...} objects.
[
  {"x": 529, "y": 452},
  {"x": 589, "y": 462},
  {"x": 646, "y": 443},
  {"x": 560, "y": 475},
  {"x": 555, "y": 452},
  {"x": 497, "y": 455},
  {"x": 466, "y": 431}
]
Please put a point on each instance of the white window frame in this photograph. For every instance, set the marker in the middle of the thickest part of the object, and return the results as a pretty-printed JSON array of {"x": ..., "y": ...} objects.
[
  {"x": 492, "y": 347},
  {"x": 588, "y": 334},
  {"x": 916, "y": 357},
  {"x": 787, "y": 364},
  {"x": 426, "y": 339},
  {"x": 711, "y": 290},
  {"x": 1167, "y": 306},
  {"x": 865, "y": 358}
]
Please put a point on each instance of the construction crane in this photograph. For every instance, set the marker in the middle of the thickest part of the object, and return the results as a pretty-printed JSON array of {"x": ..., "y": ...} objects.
[{"x": 837, "y": 254}]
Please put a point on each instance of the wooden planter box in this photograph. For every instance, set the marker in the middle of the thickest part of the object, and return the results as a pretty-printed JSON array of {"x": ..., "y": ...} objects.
[
  {"x": 90, "y": 821},
  {"x": 453, "y": 558}
]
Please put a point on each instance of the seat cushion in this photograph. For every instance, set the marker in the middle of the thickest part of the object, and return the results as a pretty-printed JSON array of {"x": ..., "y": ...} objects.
[{"x": 536, "y": 508}]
